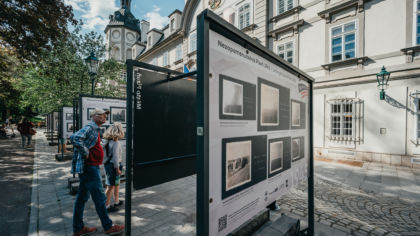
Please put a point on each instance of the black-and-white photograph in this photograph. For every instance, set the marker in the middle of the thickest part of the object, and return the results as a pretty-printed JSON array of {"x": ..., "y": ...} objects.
[
  {"x": 69, "y": 127},
  {"x": 69, "y": 116},
  {"x": 269, "y": 106},
  {"x": 238, "y": 164},
  {"x": 296, "y": 148},
  {"x": 89, "y": 111},
  {"x": 233, "y": 96},
  {"x": 118, "y": 115},
  {"x": 295, "y": 114},
  {"x": 276, "y": 156}
]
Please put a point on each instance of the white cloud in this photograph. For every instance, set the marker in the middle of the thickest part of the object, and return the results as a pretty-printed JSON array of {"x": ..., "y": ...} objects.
[
  {"x": 156, "y": 20},
  {"x": 95, "y": 13}
]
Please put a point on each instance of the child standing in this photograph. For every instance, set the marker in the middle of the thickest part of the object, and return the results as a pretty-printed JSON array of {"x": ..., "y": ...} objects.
[{"x": 112, "y": 165}]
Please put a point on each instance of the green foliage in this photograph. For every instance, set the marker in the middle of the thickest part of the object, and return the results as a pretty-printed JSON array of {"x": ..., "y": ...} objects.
[
  {"x": 61, "y": 75},
  {"x": 33, "y": 26}
]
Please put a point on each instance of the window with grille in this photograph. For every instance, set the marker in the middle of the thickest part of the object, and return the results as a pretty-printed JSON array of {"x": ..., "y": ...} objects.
[
  {"x": 165, "y": 59},
  {"x": 346, "y": 119},
  {"x": 285, "y": 51},
  {"x": 193, "y": 42},
  {"x": 284, "y": 5},
  {"x": 178, "y": 52},
  {"x": 343, "y": 42},
  {"x": 417, "y": 23},
  {"x": 244, "y": 16}
]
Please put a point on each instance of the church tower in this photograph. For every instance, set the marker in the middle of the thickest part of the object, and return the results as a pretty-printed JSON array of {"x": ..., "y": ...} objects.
[{"x": 123, "y": 34}]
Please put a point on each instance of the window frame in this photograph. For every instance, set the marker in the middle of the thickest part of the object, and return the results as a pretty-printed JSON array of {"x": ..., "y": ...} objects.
[
  {"x": 285, "y": 50},
  {"x": 165, "y": 58},
  {"x": 342, "y": 35},
  {"x": 341, "y": 115},
  {"x": 286, "y": 6},
  {"x": 416, "y": 23},
  {"x": 192, "y": 47},
  {"x": 154, "y": 61},
  {"x": 238, "y": 13},
  {"x": 178, "y": 52}
]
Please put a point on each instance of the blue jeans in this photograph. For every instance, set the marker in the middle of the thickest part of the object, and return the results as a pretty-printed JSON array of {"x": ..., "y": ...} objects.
[
  {"x": 28, "y": 137},
  {"x": 90, "y": 182}
]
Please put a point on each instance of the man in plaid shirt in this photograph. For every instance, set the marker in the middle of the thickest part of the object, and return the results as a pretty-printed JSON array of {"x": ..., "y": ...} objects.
[{"x": 87, "y": 158}]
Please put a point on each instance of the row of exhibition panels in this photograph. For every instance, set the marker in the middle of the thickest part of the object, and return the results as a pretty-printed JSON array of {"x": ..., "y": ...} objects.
[{"x": 243, "y": 124}]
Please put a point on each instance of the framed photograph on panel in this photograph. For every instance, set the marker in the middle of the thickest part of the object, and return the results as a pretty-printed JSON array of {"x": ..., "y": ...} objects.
[
  {"x": 298, "y": 148},
  {"x": 106, "y": 109},
  {"x": 273, "y": 106},
  {"x": 279, "y": 155},
  {"x": 69, "y": 127},
  {"x": 276, "y": 156},
  {"x": 295, "y": 114},
  {"x": 238, "y": 164},
  {"x": 118, "y": 114},
  {"x": 89, "y": 111},
  {"x": 269, "y": 115},
  {"x": 69, "y": 116},
  {"x": 233, "y": 96}
]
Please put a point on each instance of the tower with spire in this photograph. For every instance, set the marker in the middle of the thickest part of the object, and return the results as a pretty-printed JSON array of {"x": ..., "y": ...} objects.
[{"x": 123, "y": 34}]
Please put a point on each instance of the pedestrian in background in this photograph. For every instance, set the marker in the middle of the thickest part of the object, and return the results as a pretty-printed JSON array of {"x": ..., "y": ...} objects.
[
  {"x": 25, "y": 130},
  {"x": 10, "y": 124},
  {"x": 87, "y": 158},
  {"x": 112, "y": 165}
]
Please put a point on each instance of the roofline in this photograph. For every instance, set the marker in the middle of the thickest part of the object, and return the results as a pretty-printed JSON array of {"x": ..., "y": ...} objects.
[
  {"x": 174, "y": 36},
  {"x": 175, "y": 11}
]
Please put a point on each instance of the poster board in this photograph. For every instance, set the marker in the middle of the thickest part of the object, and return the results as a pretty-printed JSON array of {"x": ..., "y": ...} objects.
[
  {"x": 116, "y": 106},
  {"x": 253, "y": 126},
  {"x": 66, "y": 122},
  {"x": 164, "y": 117}
]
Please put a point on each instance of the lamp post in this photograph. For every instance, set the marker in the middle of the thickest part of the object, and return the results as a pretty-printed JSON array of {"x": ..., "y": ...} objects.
[
  {"x": 92, "y": 63},
  {"x": 382, "y": 78}
]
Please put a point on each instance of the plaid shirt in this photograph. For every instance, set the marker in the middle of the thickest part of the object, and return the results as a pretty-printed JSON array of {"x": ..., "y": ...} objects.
[{"x": 83, "y": 140}]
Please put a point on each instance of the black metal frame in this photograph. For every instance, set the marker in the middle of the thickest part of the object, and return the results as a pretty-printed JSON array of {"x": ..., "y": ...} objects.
[
  {"x": 129, "y": 129},
  {"x": 205, "y": 21}
]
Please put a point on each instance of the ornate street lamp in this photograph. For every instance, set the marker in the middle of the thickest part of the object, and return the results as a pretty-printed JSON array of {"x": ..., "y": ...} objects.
[
  {"x": 92, "y": 63},
  {"x": 382, "y": 78}
]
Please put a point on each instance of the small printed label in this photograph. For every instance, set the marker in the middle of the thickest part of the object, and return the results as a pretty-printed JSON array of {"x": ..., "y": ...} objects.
[{"x": 200, "y": 131}]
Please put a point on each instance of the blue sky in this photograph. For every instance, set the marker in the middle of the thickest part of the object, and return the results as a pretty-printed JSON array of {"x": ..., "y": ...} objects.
[{"x": 95, "y": 13}]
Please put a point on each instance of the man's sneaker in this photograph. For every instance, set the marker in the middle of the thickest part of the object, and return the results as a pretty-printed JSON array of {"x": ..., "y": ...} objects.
[
  {"x": 115, "y": 229},
  {"x": 112, "y": 208},
  {"x": 85, "y": 231}
]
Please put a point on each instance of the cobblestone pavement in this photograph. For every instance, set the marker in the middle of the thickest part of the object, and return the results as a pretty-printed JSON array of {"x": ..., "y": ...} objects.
[{"x": 356, "y": 211}]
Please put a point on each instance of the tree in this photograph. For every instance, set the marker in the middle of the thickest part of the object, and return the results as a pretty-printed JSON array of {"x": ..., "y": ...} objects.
[
  {"x": 60, "y": 75},
  {"x": 33, "y": 26}
]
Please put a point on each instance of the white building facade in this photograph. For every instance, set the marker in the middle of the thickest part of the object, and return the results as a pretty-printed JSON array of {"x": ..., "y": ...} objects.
[{"x": 343, "y": 44}]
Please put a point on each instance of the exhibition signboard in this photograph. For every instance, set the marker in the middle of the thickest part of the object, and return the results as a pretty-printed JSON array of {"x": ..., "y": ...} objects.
[
  {"x": 66, "y": 122},
  {"x": 164, "y": 117},
  {"x": 116, "y": 107},
  {"x": 253, "y": 126}
]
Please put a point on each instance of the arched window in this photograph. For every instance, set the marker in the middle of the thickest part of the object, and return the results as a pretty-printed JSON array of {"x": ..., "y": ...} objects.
[
  {"x": 129, "y": 54},
  {"x": 116, "y": 53}
]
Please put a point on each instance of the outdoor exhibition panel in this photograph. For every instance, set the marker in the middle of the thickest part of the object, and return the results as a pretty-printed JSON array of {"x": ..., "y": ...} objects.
[
  {"x": 116, "y": 107},
  {"x": 66, "y": 122},
  {"x": 253, "y": 127},
  {"x": 164, "y": 117}
]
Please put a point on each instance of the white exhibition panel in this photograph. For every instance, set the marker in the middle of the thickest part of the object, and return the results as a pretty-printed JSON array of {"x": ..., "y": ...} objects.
[
  {"x": 67, "y": 122},
  {"x": 258, "y": 133},
  {"x": 118, "y": 113},
  {"x": 55, "y": 121}
]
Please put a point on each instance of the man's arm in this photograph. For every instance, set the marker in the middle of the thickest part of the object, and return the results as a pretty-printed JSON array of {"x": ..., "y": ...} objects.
[{"x": 78, "y": 140}]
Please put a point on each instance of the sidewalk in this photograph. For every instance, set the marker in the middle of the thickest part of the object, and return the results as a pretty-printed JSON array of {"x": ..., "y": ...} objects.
[
  {"x": 375, "y": 199},
  {"x": 167, "y": 209}
]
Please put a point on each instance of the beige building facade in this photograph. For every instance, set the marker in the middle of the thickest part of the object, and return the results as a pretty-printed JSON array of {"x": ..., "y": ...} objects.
[{"x": 343, "y": 44}]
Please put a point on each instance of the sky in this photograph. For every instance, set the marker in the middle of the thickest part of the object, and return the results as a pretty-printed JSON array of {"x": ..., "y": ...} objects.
[{"x": 95, "y": 13}]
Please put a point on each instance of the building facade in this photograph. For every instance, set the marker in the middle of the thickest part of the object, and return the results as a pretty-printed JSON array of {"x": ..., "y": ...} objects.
[{"x": 343, "y": 44}]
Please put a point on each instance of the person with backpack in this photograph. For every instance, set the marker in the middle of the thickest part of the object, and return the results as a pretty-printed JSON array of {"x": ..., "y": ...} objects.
[
  {"x": 26, "y": 131},
  {"x": 88, "y": 155},
  {"x": 112, "y": 165}
]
